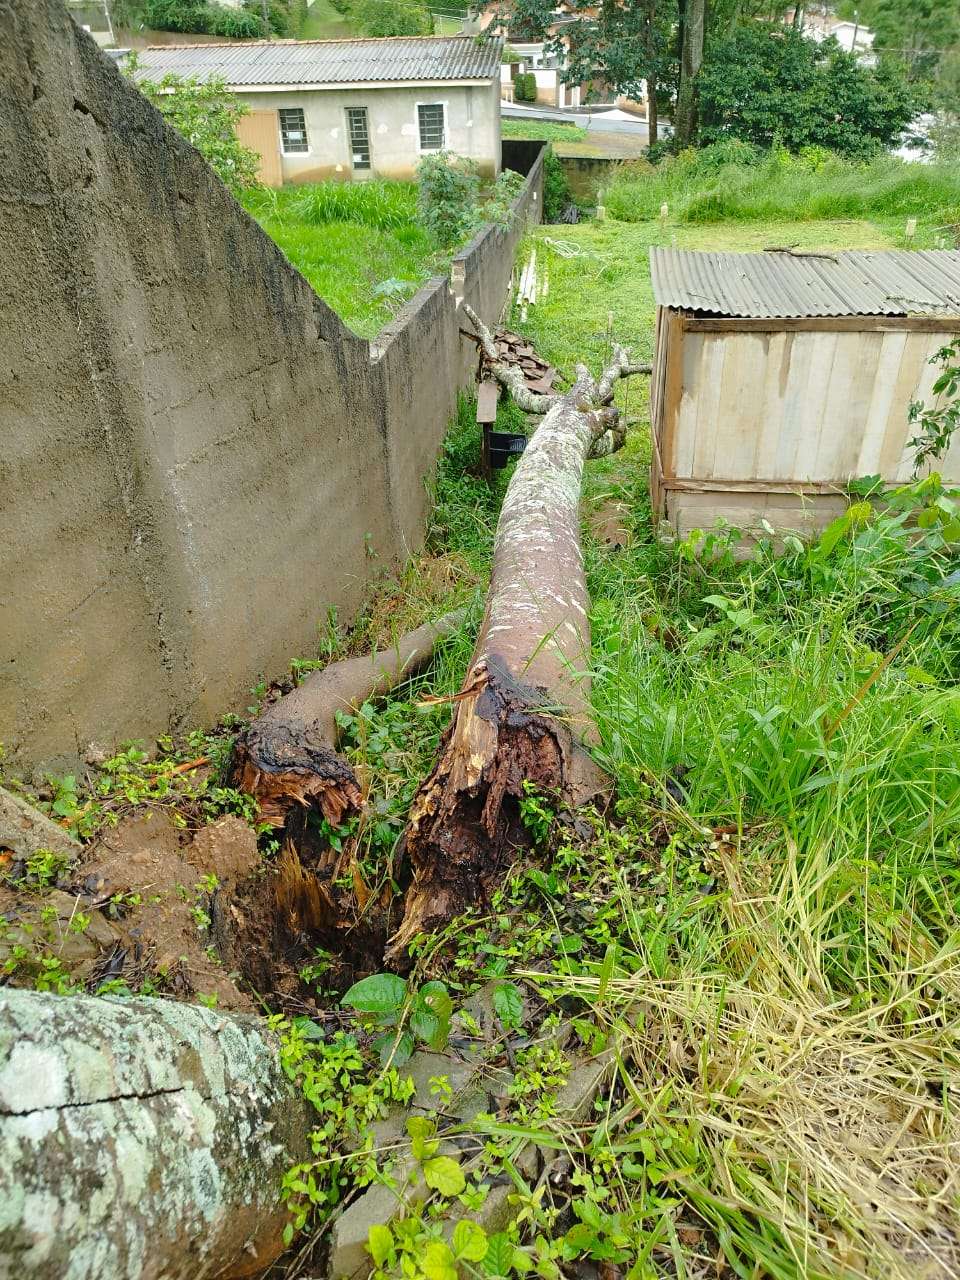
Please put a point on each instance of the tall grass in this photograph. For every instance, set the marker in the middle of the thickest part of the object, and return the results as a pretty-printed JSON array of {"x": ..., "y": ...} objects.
[
  {"x": 732, "y": 181},
  {"x": 379, "y": 203}
]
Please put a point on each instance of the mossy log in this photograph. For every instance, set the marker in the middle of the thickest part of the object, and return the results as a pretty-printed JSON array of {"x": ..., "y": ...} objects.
[
  {"x": 523, "y": 713},
  {"x": 140, "y": 1139}
]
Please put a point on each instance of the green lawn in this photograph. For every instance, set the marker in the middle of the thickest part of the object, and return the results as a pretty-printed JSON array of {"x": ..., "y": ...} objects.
[
  {"x": 545, "y": 130},
  {"x": 324, "y": 23}
]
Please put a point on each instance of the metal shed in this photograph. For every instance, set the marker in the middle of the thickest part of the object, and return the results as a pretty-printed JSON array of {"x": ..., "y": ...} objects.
[{"x": 778, "y": 377}]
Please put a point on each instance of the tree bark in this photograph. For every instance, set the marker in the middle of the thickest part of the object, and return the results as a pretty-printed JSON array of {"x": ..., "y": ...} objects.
[
  {"x": 522, "y": 717},
  {"x": 653, "y": 120},
  {"x": 141, "y": 1139},
  {"x": 692, "y": 30},
  {"x": 287, "y": 757}
]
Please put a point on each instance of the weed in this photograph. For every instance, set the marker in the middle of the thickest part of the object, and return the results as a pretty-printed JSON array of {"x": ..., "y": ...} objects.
[{"x": 403, "y": 1015}]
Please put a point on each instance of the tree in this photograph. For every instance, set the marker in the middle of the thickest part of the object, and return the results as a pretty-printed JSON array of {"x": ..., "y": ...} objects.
[
  {"x": 693, "y": 23},
  {"x": 763, "y": 84},
  {"x": 915, "y": 32},
  {"x": 207, "y": 115},
  {"x": 392, "y": 18}
]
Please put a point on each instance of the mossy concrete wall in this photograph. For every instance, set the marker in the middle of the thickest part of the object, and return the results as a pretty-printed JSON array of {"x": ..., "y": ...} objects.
[{"x": 198, "y": 459}]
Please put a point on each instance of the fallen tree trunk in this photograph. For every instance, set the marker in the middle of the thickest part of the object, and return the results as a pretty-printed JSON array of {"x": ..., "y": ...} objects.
[
  {"x": 141, "y": 1139},
  {"x": 287, "y": 757},
  {"x": 522, "y": 717}
]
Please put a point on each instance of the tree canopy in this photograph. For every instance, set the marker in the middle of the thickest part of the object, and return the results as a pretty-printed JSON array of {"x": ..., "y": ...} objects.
[{"x": 762, "y": 83}]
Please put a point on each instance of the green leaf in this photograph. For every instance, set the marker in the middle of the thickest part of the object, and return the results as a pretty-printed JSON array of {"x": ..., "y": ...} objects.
[
  {"x": 421, "y": 1131},
  {"x": 469, "y": 1241},
  {"x": 439, "y": 1262},
  {"x": 380, "y": 993},
  {"x": 436, "y": 995},
  {"x": 832, "y": 534},
  {"x": 379, "y": 1243},
  {"x": 443, "y": 1174},
  {"x": 288, "y": 1233},
  {"x": 508, "y": 1004},
  {"x": 499, "y": 1258},
  {"x": 393, "y": 1050}
]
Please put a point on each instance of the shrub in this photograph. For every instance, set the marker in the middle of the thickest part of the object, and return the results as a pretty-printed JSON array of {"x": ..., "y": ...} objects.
[
  {"x": 206, "y": 115},
  {"x": 556, "y": 190},
  {"x": 238, "y": 24},
  {"x": 203, "y": 19},
  {"x": 285, "y": 18},
  {"x": 392, "y": 17},
  {"x": 525, "y": 87},
  {"x": 448, "y": 197}
]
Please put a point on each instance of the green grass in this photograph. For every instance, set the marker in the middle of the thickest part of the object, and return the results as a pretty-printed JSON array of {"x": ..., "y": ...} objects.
[
  {"x": 324, "y": 23},
  {"x": 545, "y": 130},
  {"x": 780, "y": 881},
  {"x": 732, "y": 182},
  {"x": 766, "y": 924},
  {"x": 358, "y": 244}
]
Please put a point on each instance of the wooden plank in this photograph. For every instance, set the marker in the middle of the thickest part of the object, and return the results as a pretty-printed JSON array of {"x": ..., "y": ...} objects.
[
  {"x": 672, "y": 387},
  {"x": 487, "y": 396},
  {"x": 818, "y": 324},
  {"x": 779, "y": 351},
  {"x": 899, "y": 430},
  {"x": 881, "y": 402},
  {"x": 923, "y": 390},
  {"x": 738, "y": 417},
  {"x": 761, "y": 485}
]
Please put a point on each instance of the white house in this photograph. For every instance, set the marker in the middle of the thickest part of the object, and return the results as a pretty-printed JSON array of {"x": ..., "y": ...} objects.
[{"x": 352, "y": 109}]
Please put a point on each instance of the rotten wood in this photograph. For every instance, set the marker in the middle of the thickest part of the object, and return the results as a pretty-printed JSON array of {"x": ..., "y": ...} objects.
[
  {"x": 287, "y": 757},
  {"x": 522, "y": 717}
]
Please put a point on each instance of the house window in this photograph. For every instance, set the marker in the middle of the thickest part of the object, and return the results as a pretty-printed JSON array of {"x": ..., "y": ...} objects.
[
  {"x": 359, "y": 136},
  {"x": 293, "y": 132},
  {"x": 430, "y": 119}
]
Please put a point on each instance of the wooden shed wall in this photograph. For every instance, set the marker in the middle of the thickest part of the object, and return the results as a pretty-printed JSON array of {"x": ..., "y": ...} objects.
[{"x": 747, "y": 409}]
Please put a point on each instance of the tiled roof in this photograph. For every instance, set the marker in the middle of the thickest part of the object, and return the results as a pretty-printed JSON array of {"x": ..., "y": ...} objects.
[
  {"x": 295, "y": 62},
  {"x": 784, "y": 285}
]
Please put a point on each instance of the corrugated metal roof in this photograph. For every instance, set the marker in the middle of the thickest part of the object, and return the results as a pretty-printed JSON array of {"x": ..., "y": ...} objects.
[
  {"x": 784, "y": 285},
  {"x": 297, "y": 62}
]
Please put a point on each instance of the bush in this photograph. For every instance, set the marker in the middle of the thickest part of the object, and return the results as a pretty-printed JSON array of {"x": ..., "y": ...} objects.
[
  {"x": 206, "y": 115},
  {"x": 763, "y": 84},
  {"x": 238, "y": 24},
  {"x": 392, "y": 18},
  {"x": 448, "y": 198},
  {"x": 556, "y": 190},
  {"x": 202, "y": 19},
  {"x": 525, "y": 87},
  {"x": 284, "y": 17}
]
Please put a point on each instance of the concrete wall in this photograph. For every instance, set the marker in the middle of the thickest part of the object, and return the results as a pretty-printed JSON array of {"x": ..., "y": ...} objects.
[
  {"x": 197, "y": 456},
  {"x": 472, "y": 127}
]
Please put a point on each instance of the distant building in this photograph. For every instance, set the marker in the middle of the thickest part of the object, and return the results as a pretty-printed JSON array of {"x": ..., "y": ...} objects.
[
  {"x": 352, "y": 109},
  {"x": 852, "y": 36}
]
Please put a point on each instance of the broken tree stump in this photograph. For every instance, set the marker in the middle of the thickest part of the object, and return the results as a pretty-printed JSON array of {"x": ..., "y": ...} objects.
[
  {"x": 141, "y": 1138},
  {"x": 522, "y": 717},
  {"x": 287, "y": 756}
]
